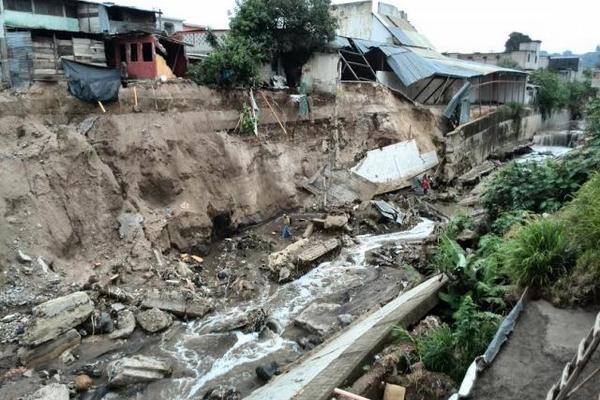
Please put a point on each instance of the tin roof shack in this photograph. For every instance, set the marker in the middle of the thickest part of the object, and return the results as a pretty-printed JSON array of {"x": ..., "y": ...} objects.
[
  {"x": 35, "y": 34},
  {"x": 378, "y": 43},
  {"x": 149, "y": 56}
]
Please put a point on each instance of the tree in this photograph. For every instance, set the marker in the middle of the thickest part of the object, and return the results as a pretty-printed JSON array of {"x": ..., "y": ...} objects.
[
  {"x": 553, "y": 93},
  {"x": 264, "y": 30},
  {"x": 290, "y": 29},
  {"x": 567, "y": 53},
  {"x": 515, "y": 39}
]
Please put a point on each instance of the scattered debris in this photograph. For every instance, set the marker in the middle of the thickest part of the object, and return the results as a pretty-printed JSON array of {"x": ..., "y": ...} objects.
[
  {"x": 54, "y": 391},
  {"x": 345, "y": 319},
  {"x": 54, "y": 317},
  {"x": 154, "y": 320},
  {"x": 125, "y": 325},
  {"x": 178, "y": 302},
  {"x": 394, "y": 392},
  {"x": 253, "y": 320},
  {"x": 473, "y": 175},
  {"x": 51, "y": 350},
  {"x": 136, "y": 369},
  {"x": 129, "y": 225},
  {"x": 318, "y": 250},
  {"x": 222, "y": 393},
  {"x": 389, "y": 211}
]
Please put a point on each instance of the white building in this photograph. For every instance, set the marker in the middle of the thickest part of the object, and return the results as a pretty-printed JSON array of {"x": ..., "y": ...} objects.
[{"x": 526, "y": 58}]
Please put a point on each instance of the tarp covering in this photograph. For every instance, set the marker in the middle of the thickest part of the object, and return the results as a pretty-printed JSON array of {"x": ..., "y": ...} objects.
[{"x": 92, "y": 83}]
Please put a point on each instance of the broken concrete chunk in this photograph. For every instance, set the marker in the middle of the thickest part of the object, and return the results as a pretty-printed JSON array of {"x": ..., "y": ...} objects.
[
  {"x": 137, "y": 369},
  {"x": 335, "y": 221},
  {"x": 54, "y": 317},
  {"x": 125, "y": 325},
  {"x": 54, "y": 391},
  {"x": 178, "y": 302},
  {"x": 319, "y": 318},
  {"x": 154, "y": 320},
  {"x": 49, "y": 351},
  {"x": 318, "y": 250},
  {"x": 286, "y": 256}
]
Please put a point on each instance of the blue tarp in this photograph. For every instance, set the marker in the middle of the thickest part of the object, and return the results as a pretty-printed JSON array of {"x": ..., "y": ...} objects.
[{"x": 92, "y": 83}]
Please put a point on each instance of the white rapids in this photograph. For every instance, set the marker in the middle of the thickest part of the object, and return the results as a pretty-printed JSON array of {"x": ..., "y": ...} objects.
[{"x": 347, "y": 271}]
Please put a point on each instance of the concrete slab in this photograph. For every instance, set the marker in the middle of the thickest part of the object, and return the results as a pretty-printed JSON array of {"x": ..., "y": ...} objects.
[{"x": 315, "y": 377}]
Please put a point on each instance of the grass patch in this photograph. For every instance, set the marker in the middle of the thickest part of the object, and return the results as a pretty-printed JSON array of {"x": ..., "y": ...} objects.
[{"x": 538, "y": 253}]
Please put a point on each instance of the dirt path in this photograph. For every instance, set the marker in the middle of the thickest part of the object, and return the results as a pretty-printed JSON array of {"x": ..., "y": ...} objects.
[{"x": 544, "y": 340}]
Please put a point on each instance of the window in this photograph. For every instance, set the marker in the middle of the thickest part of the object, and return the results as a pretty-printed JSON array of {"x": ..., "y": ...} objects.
[
  {"x": 71, "y": 10},
  {"x": 122, "y": 53},
  {"x": 169, "y": 28},
  {"x": 49, "y": 7},
  {"x": 529, "y": 57},
  {"x": 134, "y": 52},
  {"x": 147, "y": 51},
  {"x": 536, "y": 59},
  {"x": 18, "y": 5}
]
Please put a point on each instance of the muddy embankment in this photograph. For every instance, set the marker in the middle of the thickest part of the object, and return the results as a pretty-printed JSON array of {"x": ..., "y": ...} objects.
[{"x": 173, "y": 166}]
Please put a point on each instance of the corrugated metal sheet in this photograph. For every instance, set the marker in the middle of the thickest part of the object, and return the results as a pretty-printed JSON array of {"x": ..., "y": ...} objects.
[
  {"x": 410, "y": 38},
  {"x": 20, "y": 64},
  {"x": 412, "y": 64}
]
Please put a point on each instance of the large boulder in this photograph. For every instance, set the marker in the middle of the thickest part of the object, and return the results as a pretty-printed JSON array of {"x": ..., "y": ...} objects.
[
  {"x": 136, "y": 369},
  {"x": 154, "y": 320},
  {"x": 55, "y": 317}
]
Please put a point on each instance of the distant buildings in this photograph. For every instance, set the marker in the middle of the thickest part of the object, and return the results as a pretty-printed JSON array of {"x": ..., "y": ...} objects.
[
  {"x": 569, "y": 67},
  {"x": 526, "y": 58}
]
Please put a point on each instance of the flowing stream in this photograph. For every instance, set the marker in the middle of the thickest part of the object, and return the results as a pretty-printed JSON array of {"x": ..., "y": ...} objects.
[
  {"x": 347, "y": 271},
  {"x": 553, "y": 144}
]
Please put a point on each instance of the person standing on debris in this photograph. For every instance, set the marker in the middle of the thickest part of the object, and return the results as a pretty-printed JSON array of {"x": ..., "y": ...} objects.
[
  {"x": 287, "y": 222},
  {"x": 425, "y": 184}
]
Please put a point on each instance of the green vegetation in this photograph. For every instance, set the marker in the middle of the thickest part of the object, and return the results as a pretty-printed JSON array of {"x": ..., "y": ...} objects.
[
  {"x": 555, "y": 254},
  {"x": 555, "y": 93},
  {"x": 515, "y": 39},
  {"x": 263, "y": 30},
  {"x": 451, "y": 349},
  {"x": 537, "y": 254}
]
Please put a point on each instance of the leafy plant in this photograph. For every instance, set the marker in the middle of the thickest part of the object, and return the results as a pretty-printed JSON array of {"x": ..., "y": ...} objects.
[
  {"x": 508, "y": 219},
  {"x": 581, "y": 287},
  {"x": 451, "y": 349},
  {"x": 553, "y": 93},
  {"x": 458, "y": 224},
  {"x": 538, "y": 253},
  {"x": 582, "y": 216}
]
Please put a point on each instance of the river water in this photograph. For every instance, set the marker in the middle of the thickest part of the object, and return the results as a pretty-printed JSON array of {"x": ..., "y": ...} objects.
[{"x": 348, "y": 270}]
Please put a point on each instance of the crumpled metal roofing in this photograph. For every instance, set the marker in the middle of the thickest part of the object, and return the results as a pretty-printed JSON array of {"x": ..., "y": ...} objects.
[{"x": 414, "y": 64}]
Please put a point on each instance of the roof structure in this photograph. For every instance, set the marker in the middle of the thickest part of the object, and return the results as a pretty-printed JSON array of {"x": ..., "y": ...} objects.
[{"x": 412, "y": 64}]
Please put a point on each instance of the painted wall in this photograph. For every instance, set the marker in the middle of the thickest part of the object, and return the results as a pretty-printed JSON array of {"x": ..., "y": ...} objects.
[
  {"x": 19, "y": 19},
  {"x": 355, "y": 19},
  {"x": 139, "y": 69},
  {"x": 322, "y": 72}
]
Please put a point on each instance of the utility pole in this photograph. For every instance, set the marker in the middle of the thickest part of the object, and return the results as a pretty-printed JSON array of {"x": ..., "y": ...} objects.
[{"x": 4, "y": 73}]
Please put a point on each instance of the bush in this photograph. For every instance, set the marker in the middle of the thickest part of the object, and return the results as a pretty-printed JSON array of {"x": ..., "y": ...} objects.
[
  {"x": 592, "y": 114},
  {"x": 458, "y": 224},
  {"x": 538, "y": 253},
  {"x": 235, "y": 61},
  {"x": 451, "y": 350},
  {"x": 507, "y": 220}
]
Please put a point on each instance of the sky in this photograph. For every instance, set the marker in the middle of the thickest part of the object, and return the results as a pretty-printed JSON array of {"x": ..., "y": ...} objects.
[{"x": 456, "y": 25}]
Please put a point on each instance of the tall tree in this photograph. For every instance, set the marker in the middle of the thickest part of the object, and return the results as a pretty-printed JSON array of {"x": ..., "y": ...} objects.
[
  {"x": 291, "y": 29},
  {"x": 515, "y": 39}
]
